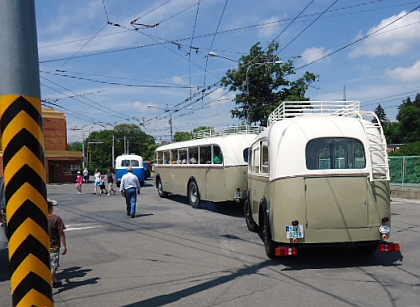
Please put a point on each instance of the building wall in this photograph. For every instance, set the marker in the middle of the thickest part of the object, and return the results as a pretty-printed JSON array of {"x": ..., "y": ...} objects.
[{"x": 61, "y": 164}]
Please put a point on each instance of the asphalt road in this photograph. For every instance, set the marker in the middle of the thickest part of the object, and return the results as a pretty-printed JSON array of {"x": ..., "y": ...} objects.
[{"x": 174, "y": 255}]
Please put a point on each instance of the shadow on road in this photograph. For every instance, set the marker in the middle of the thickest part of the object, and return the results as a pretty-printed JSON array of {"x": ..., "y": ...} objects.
[{"x": 69, "y": 274}]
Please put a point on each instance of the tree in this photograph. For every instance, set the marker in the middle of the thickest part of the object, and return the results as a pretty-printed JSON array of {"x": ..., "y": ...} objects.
[
  {"x": 180, "y": 136},
  {"x": 409, "y": 120},
  {"x": 75, "y": 146},
  {"x": 262, "y": 86},
  {"x": 124, "y": 138},
  {"x": 380, "y": 113}
]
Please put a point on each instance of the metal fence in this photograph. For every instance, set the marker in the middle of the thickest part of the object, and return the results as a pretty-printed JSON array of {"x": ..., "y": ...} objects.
[{"x": 405, "y": 172}]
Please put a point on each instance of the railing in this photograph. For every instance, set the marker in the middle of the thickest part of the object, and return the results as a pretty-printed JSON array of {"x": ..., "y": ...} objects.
[
  {"x": 202, "y": 134},
  {"x": 290, "y": 109}
]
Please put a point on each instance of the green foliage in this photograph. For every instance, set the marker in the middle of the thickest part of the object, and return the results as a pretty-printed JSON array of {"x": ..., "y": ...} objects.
[
  {"x": 126, "y": 138},
  {"x": 410, "y": 149},
  {"x": 261, "y": 86},
  {"x": 380, "y": 113},
  {"x": 180, "y": 136},
  {"x": 75, "y": 146},
  {"x": 392, "y": 132}
]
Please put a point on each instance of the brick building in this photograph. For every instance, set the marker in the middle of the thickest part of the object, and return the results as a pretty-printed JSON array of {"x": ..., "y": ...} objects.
[{"x": 61, "y": 165}]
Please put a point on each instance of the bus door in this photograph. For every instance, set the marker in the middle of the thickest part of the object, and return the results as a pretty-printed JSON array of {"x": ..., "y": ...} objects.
[{"x": 336, "y": 202}]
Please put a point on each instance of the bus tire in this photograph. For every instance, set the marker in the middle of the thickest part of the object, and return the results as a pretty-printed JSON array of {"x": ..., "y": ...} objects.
[
  {"x": 367, "y": 248},
  {"x": 161, "y": 192},
  {"x": 252, "y": 226},
  {"x": 270, "y": 246},
  {"x": 193, "y": 195}
]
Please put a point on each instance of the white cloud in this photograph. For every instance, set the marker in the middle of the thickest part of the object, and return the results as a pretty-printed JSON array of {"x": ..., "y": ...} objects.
[
  {"x": 178, "y": 80},
  {"x": 313, "y": 54},
  {"x": 142, "y": 106},
  {"x": 405, "y": 73},
  {"x": 395, "y": 39},
  {"x": 269, "y": 27}
]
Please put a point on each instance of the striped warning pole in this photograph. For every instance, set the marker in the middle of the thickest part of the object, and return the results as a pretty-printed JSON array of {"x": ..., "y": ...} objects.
[{"x": 23, "y": 155}]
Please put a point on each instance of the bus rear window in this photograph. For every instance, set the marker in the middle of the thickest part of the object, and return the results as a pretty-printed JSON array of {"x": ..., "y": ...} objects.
[{"x": 335, "y": 153}]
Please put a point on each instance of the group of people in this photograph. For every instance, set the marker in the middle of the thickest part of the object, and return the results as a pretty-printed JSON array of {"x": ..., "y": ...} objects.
[
  {"x": 102, "y": 180},
  {"x": 129, "y": 188}
]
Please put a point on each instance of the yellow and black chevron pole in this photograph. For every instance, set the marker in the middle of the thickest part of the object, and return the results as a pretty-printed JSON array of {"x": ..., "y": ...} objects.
[{"x": 23, "y": 155}]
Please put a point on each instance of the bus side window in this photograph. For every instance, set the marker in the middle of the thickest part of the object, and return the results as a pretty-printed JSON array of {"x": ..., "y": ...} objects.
[
  {"x": 165, "y": 157},
  {"x": 193, "y": 155},
  {"x": 174, "y": 156},
  {"x": 255, "y": 159},
  {"x": 264, "y": 158},
  {"x": 205, "y": 155},
  {"x": 183, "y": 155},
  {"x": 245, "y": 154},
  {"x": 217, "y": 155}
]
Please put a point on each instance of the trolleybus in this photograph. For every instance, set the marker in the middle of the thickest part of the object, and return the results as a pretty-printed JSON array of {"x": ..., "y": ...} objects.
[
  {"x": 318, "y": 174},
  {"x": 124, "y": 161},
  {"x": 211, "y": 168}
]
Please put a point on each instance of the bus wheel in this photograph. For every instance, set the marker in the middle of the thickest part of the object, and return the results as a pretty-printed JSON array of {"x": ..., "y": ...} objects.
[
  {"x": 270, "y": 246},
  {"x": 367, "y": 248},
  {"x": 252, "y": 226},
  {"x": 193, "y": 196},
  {"x": 161, "y": 192}
]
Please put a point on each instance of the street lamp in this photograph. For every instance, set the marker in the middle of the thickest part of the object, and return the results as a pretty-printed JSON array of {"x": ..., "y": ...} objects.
[
  {"x": 170, "y": 115},
  {"x": 214, "y": 54},
  {"x": 248, "y": 119}
]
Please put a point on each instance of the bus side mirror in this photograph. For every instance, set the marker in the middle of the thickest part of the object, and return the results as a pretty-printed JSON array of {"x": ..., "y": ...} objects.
[{"x": 245, "y": 153}]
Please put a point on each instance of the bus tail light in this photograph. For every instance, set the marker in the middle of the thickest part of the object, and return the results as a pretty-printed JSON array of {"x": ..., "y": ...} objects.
[
  {"x": 389, "y": 247},
  {"x": 286, "y": 251}
]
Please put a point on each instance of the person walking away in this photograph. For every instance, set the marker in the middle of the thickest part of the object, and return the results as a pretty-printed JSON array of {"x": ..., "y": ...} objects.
[
  {"x": 97, "y": 176},
  {"x": 86, "y": 175},
  {"x": 110, "y": 179},
  {"x": 79, "y": 182},
  {"x": 129, "y": 188},
  {"x": 57, "y": 241}
]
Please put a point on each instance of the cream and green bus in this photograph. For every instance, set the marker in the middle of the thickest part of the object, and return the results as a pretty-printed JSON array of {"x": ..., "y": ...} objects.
[
  {"x": 318, "y": 174},
  {"x": 211, "y": 167}
]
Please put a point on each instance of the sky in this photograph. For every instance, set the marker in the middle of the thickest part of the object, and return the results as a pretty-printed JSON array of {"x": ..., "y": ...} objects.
[{"x": 110, "y": 62}]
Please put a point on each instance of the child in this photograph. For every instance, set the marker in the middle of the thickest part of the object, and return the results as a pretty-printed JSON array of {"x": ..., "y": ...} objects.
[
  {"x": 57, "y": 240},
  {"x": 79, "y": 182},
  {"x": 102, "y": 187}
]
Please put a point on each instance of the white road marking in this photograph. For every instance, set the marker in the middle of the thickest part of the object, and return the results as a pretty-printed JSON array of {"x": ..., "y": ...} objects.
[{"x": 81, "y": 227}]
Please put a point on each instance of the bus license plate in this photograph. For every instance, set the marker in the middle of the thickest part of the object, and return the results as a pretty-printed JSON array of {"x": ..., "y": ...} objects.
[{"x": 294, "y": 232}]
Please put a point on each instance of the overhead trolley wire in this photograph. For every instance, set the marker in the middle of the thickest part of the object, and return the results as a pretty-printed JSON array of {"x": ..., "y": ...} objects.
[{"x": 360, "y": 39}]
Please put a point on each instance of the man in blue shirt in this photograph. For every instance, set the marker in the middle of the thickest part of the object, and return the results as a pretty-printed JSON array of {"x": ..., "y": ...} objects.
[{"x": 130, "y": 187}]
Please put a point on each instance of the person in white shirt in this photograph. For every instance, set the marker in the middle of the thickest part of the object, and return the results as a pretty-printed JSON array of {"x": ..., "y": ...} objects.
[{"x": 129, "y": 188}]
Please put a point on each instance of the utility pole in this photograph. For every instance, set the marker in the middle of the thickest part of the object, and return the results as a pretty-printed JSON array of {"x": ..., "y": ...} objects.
[{"x": 24, "y": 155}]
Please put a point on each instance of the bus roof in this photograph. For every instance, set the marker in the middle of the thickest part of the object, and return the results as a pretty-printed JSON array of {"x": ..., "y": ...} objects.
[{"x": 290, "y": 136}]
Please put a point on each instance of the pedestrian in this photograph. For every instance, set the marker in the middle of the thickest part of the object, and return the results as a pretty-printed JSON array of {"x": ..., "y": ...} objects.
[
  {"x": 86, "y": 175},
  {"x": 130, "y": 187},
  {"x": 57, "y": 241},
  {"x": 110, "y": 179},
  {"x": 79, "y": 182},
  {"x": 102, "y": 187},
  {"x": 97, "y": 176}
]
